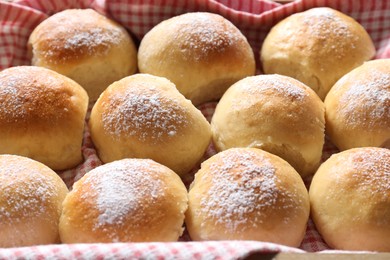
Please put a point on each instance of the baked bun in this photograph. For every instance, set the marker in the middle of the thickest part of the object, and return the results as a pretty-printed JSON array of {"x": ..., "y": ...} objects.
[
  {"x": 85, "y": 46},
  {"x": 42, "y": 116},
  {"x": 275, "y": 113},
  {"x": 31, "y": 196},
  {"x": 317, "y": 47},
  {"x": 201, "y": 53},
  {"x": 130, "y": 200},
  {"x": 247, "y": 194},
  {"x": 144, "y": 116},
  {"x": 350, "y": 199},
  {"x": 358, "y": 107}
]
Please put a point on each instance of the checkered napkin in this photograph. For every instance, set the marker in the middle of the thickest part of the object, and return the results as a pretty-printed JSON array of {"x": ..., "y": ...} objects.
[{"x": 254, "y": 18}]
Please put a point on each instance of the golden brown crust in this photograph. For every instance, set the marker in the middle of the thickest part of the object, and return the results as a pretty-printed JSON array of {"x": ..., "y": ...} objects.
[
  {"x": 34, "y": 97},
  {"x": 206, "y": 50},
  {"x": 71, "y": 35},
  {"x": 42, "y": 116},
  {"x": 249, "y": 194},
  {"x": 350, "y": 198},
  {"x": 131, "y": 200},
  {"x": 291, "y": 126},
  {"x": 144, "y": 116},
  {"x": 31, "y": 198},
  {"x": 317, "y": 47},
  {"x": 358, "y": 107},
  {"x": 85, "y": 46}
]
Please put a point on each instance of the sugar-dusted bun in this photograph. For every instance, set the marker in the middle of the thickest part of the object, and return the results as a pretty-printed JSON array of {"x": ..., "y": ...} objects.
[
  {"x": 358, "y": 107},
  {"x": 317, "y": 47},
  {"x": 201, "y": 53},
  {"x": 130, "y": 200},
  {"x": 144, "y": 116},
  {"x": 85, "y": 46},
  {"x": 275, "y": 113},
  {"x": 350, "y": 199},
  {"x": 31, "y": 196},
  {"x": 42, "y": 116},
  {"x": 248, "y": 194}
]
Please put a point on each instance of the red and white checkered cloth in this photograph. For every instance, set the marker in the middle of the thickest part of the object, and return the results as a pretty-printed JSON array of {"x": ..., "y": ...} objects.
[{"x": 254, "y": 18}]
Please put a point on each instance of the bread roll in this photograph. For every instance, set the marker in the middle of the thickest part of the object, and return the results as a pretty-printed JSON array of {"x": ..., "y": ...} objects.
[
  {"x": 358, "y": 107},
  {"x": 350, "y": 199},
  {"x": 275, "y": 113},
  {"x": 85, "y": 46},
  {"x": 317, "y": 47},
  {"x": 42, "y": 116},
  {"x": 144, "y": 116},
  {"x": 247, "y": 194},
  {"x": 201, "y": 53},
  {"x": 31, "y": 196},
  {"x": 130, "y": 200}
]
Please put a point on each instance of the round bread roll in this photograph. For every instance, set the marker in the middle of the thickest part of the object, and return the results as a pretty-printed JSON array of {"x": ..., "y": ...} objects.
[
  {"x": 85, "y": 46},
  {"x": 350, "y": 199},
  {"x": 317, "y": 47},
  {"x": 42, "y": 116},
  {"x": 247, "y": 194},
  {"x": 130, "y": 200},
  {"x": 144, "y": 116},
  {"x": 201, "y": 53},
  {"x": 358, "y": 107},
  {"x": 31, "y": 196},
  {"x": 275, "y": 113}
]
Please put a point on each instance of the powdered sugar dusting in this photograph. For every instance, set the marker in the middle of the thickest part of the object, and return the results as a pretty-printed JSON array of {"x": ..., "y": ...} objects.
[
  {"x": 92, "y": 38},
  {"x": 323, "y": 24},
  {"x": 200, "y": 34},
  {"x": 24, "y": 191},
  {"x": 367, "y": 103},
  {"x": 74, "y": 33},
  {"x": 29, "y": 92},
  {"x": 241, "y": 185},
  {"x": 10, "y": 99},
  {"x": 278, "y": 84},
  {"x": 121, "y": 189},
  {"x": 146, "y": 114},
  {"x": 372, "y": 170}
]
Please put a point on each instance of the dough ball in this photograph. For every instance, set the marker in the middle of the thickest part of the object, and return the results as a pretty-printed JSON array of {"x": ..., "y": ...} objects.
[
  {"x": 85, "y": 46},
  {"x": 129, "y": 200},
  {"x": 316, "y": 47},
  {"x": 201, "y": 53},
  {"x": 275, "y": 113}
]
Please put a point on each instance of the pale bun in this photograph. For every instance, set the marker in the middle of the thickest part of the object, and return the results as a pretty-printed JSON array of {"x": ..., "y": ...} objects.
[
  {"x": 275, "y": 113},
  {"x": 31, "y": 196},
  {"x": 144, "y": 116},
  {"x": 130, "y": 200},
  {"x": 248, "y": 194},
  {"x": 201, "y": 53},
  {"x": 317, "y": 47},
  {"x": 350, "y": 200},
  {"x": 358, "y": 107},
  {"x": 85, "y": 46},
  {"x": 42, "y": 116}
]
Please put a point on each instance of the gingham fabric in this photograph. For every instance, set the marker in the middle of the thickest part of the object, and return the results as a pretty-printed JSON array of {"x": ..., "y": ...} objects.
[{"x": 254, "y": 18}]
